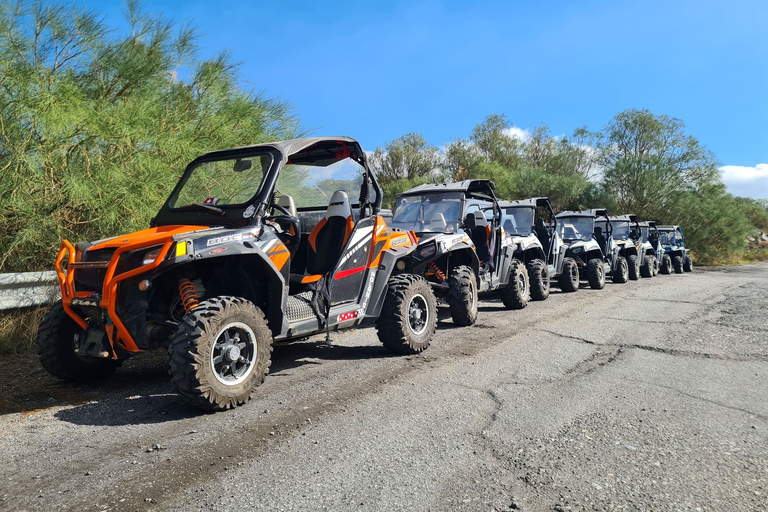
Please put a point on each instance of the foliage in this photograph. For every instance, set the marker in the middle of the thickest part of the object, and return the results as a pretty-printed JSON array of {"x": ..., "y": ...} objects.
[
  {"x": 95, "y": 128},
  {"x": 407, "y": 157}
]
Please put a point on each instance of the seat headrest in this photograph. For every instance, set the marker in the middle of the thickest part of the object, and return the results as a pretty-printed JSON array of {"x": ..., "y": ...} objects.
[
  {"x": 438, "y": 223},
  {"x": 598, "y": 230},
  {"x": 539, "y": 223},
  {"x": 288, "y": 203},
  {"x": 339, "y": 205}
]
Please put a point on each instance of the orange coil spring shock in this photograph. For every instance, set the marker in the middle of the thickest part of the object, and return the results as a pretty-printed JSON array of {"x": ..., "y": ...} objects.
[
  {"x": 188, "y": 295},
  {"x": 436, "y": 271}
]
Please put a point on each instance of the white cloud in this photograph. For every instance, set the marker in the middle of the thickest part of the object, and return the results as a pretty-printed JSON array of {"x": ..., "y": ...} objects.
[
  {"x": 517, "y": 133},
  {"x": 746, "y": 181}
]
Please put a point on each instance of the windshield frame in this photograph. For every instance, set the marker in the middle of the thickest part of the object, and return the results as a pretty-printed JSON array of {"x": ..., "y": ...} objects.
[{"x": 422, "y": 200}]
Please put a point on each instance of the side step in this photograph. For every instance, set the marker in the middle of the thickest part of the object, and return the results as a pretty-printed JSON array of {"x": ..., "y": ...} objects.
[{"x": 299, "y": 307}]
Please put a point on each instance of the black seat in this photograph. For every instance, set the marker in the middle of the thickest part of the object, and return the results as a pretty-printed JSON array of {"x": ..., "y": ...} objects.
[
  {"x": 542, "y": 233},
  {"x": 477, "y": 226},
  {"x": 328, "y": 238},
  {"x": 600, "y": 239}
]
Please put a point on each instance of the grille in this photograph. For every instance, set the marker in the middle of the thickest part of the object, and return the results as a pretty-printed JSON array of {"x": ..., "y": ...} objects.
[
  {"x": 92, "y": 279},
  {"x": 299, "y": 307}
]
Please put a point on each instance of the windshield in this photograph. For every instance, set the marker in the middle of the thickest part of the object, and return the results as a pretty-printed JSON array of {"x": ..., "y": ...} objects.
[
  {"x": 312, "y": 186},
  {"x": 575, "y": 228},
  {"x": 644, "y": 230},
  {"x": 620, "y": 230},
  {"x": 668, "y": 238},
  {"x": 440, "y": 212},
  {"x": 223, "y": 182},
  {"x": 518, "y": 221}
]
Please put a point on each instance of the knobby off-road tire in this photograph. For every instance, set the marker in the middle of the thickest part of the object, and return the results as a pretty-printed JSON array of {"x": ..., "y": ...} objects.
[
  {"x": 538, "y": 274},
  {"x": 687, "y": 264},
  {"x": 656, "y": 266},
  {"x": 221, "y": 353},
  {"x": 409, "y": 315},
  {"x": 569, "y": 279},
  {"x": 56, "y": 341},
  {"x": 666, "y": 265},
  {"x": 647, "y": 269},
  {"x": 677, "y": 264},
  {"x": 620, "y": 274},
  {"x": 517, "y": 293},
  {"x": 633, "y": 264},
  {"x": 596, "y": 274},
  {"x": 462, "y": 295}
]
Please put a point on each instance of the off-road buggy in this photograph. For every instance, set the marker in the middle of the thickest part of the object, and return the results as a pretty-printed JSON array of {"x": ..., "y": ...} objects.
[
  {"x": 254, "y": 245},
  {"x": 627, "y": 244},
  {"x": 587, "y": 239},
  {"x": 676, "y": 257},
  {"x": 564, "y": 269},
  {"x": 461, "y": 250},
  {"x": 537, "y": 241},
  {"x": 652, "y": 249}
]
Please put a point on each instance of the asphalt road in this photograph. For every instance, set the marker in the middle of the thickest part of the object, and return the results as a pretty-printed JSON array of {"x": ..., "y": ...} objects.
[{"x": 651, "y": 395}]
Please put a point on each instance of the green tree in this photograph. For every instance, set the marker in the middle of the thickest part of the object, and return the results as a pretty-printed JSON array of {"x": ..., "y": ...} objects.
[
  {"x": 407, "y": 157},
  {"x": 96, "y": 127}
]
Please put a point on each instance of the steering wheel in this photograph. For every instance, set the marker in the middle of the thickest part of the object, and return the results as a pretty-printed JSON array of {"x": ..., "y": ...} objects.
[{"x": 284, "y": 221}]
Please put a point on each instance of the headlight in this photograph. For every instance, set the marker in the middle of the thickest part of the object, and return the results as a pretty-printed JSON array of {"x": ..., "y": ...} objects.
[
  {"x": 577, "y": 250},
  {"x": 151, "y": 256},
  {"x": 427, "y": 251}
]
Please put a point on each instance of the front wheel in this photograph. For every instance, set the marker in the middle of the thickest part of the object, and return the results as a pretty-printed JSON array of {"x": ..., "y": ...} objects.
[
  {"x": 687, "y": 264},
  {"x": 596, "y": 274},
  {"x": 538, "y": 273},
  {"x": 666, "y": 265},
  {"x": 569, "y": 279},
  {"x": 677, "y": 263},
  {"x": 517, "y": 292},
  {"x": 633, "y": 264},
  {"x": 57, "y": 339},
  {"x": 621, "y": 272},
  {"x": 647, "y": 269},
  {"x": 408, "y": 317},
  {"x": 462, "y": 295},
  {"x": 220, "y": 353}
]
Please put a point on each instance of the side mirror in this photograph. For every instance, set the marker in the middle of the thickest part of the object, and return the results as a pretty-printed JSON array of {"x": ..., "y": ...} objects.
[{"x": 242, "y": 165}]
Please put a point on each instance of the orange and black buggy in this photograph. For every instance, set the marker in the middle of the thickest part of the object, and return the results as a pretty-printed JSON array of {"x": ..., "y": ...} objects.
[{"x": 264, "y": 243}]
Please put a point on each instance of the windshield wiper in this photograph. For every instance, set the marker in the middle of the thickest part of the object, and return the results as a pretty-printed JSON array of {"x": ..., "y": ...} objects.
[{"x": 209, "y": 207}]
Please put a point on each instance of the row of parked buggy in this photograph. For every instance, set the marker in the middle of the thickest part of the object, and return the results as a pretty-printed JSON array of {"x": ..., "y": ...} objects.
[{"x": 262, "y": 245}]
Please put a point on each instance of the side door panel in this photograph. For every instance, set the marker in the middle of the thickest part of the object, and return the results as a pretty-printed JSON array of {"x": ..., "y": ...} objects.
[{"x": 347, "y": 280}]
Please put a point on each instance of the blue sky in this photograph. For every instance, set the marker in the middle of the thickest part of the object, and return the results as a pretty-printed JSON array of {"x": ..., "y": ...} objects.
[{"x": 378, "y": 70}]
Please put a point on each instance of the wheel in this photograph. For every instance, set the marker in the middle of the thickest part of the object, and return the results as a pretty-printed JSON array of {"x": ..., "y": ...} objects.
[
  {"x": 647, "y": 269},
  {"x": 596, "y": 274},
  {"x": 569, "y": 279},
  {"x": 619, "y": 274},
  {"x": 666, "y": 264},
  {"x": 677, "y": 264},
  {"x": 633, "y": 262},
  {"x": 462, "y": 295},
  {"x": 220, "y": 353},
  {"x": 687, "y": 264},
  {"x": 409, "y": 316},
  {"x": 517, "y": 293},
  {"x": 538, "y": 274},
  {"x": 656, "y": 266},
  {"x": 57, "y": 338}
]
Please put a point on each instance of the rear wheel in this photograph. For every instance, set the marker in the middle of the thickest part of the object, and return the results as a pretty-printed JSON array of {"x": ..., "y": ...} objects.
[
  {"x": 687, "y": 264},
  {"x": 620, "y": 273},
  {"x": 221, "y": 353},
  {"x": 409, "y": 316},
  {"x": 538, "y": 274},
  {"x": 647, "y": 269},
  {"x": 462, "y": 295},
  {"x": 633, "y": 262},
  {"x": 517, "y": 292},
  {"x": 596, "y": 274},
  {"x": 677, "y": 263},
  {"x": 666, "y": 264},
  {"x": 57, "y": 339},
  {"x": 569, "y": 279}
]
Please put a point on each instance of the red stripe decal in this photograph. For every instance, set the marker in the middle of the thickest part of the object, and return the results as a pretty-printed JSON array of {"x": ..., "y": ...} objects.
[{"x": 345, "y": 273}]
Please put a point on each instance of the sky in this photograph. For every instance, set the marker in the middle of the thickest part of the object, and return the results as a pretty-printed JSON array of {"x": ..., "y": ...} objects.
[{"x": 378, "y": 70}]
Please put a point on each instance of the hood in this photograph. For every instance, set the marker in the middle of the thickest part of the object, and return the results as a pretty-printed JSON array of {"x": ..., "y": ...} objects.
[{"x": 146, "y": 237}]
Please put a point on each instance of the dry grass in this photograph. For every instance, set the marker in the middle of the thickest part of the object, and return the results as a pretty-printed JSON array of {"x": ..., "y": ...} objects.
[{"x": 19, "y": 328}]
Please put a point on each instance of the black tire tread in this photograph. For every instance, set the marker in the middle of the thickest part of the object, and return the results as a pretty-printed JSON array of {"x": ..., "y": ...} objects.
[
  {"x": 461, "y": 288},
  {"x": 564, "y": 279},
  {"x": 621, "y": 273},
  {"x": 538, "y": 274},
  {"x": 511, "y": 295},
  {"x": 185, "y": 359},
  {"x": 677, "y": 264},
  {"x": 593, "y": 274},
  {"x": 391, "y": 326},
  {"x": 633, "y": 267}
]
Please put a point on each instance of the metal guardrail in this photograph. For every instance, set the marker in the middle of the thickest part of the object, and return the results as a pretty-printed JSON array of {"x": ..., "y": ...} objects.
[{"x": 28, "y": 289}]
